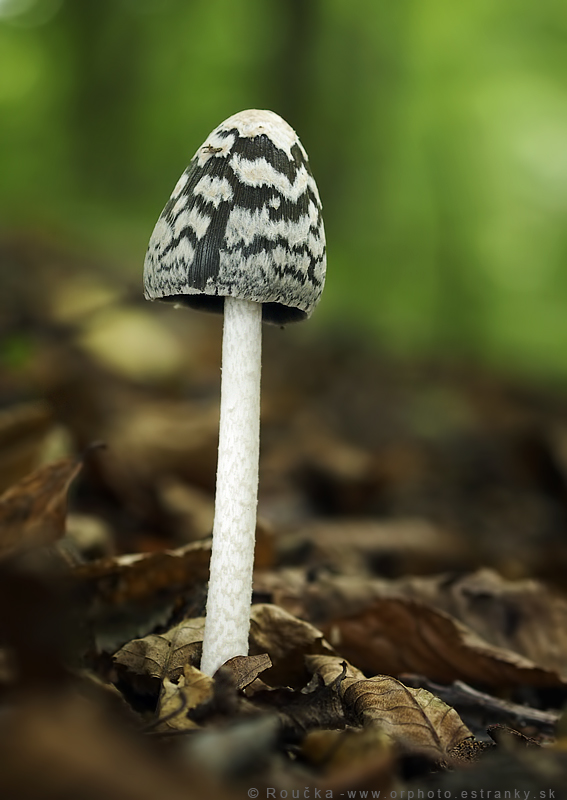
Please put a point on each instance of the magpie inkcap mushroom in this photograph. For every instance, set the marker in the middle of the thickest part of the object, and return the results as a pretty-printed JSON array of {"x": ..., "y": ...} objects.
[{"x": 242, "y": 234}]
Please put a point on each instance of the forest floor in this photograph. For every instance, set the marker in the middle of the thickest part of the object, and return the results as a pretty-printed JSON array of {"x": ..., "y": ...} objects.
[{"x": 409, "y": 621}]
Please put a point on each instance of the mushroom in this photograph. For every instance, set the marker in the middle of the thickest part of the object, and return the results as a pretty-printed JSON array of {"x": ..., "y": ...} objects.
[{"x": 242, "y": 233}]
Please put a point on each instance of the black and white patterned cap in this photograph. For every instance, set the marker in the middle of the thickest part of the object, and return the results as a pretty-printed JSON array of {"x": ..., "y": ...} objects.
[{"x": 244, "y": 221}]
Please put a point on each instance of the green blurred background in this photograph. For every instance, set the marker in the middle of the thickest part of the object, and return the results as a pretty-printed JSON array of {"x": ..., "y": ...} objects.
[{"x": 437, "y": 133}]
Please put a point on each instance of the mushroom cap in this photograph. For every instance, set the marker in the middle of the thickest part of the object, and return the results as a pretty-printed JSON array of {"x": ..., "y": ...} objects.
[{"x": 243, "y": 221}]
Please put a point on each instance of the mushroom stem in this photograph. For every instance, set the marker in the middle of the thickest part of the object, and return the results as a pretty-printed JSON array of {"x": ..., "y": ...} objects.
[{"x": 230, "y": 583}]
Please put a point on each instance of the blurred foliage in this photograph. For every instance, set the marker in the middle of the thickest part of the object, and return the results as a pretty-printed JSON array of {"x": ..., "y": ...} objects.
[{"x": 436, "y": 132}]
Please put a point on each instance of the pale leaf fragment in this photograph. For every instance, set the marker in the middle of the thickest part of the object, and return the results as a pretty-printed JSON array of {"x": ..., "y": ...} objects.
[{"x": 176, "y": 700}]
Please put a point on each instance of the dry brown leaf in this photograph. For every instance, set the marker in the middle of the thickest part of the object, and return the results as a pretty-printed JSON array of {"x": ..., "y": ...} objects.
[
  {"x": 162, "y": 655},
  {"x": 523, "y": 616},
  {"x": 397, "y": 635},
  {"x": 287, "y": 640},
  {"x": 245, "y": 669},
  {"x": 33, "y": 511},
  {"x": 413, "y": 717},
  {"x": 391, "y": 627},
  {"x": 273, "y": 631},
  {"x": 141, "y": 575},
  {"x": 331, "y": 667}
]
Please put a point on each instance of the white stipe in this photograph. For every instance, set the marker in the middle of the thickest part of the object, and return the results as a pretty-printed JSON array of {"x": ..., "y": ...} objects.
[{"x": 230, "y": 585}]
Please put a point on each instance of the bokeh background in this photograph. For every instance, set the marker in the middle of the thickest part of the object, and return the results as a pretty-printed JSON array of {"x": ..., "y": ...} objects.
[
  {"x": 437, "y": 133},
  {"x": 413, "y": 464}
]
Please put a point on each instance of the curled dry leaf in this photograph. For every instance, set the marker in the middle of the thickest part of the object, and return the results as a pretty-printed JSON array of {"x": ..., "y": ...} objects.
[
  {"x": 34, "y": 510},
  {"x": 245, "y": 669},
  {"x": 161, "y": 656},
  {"x": 330, "y": 668},
  {"x": 164, "y": 656},
  {"x": 508, "y": 737},
  {"x": 274, "y": 634},
  {"x": 414, "y": 718},
  {"x": 193, "y": 689},
  {"x": 200, "y": 699},
  {"x": 287, "y": 640}
]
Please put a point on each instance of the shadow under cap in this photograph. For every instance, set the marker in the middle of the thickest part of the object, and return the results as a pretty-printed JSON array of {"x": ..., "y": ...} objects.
[{"x": 273, "y": 313}]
